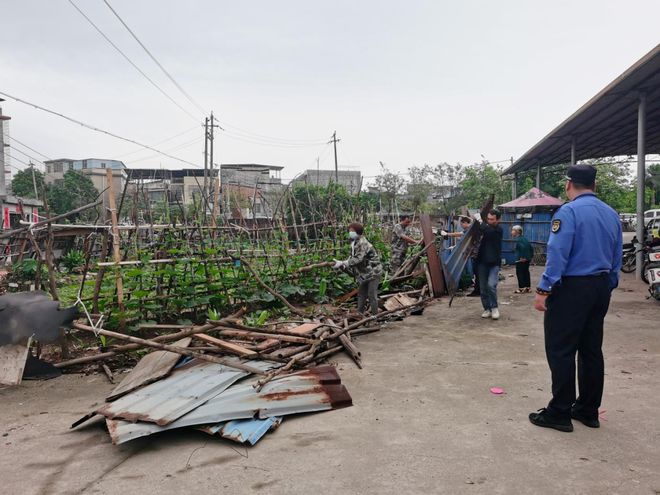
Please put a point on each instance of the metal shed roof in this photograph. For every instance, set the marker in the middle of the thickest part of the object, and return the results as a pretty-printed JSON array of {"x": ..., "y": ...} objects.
[{"x": 607, "y": 124}]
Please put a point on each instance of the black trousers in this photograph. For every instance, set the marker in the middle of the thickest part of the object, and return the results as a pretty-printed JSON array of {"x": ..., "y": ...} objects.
[
  {"x": 522, "y": 272},
  {"x": 573, "y": 324}
]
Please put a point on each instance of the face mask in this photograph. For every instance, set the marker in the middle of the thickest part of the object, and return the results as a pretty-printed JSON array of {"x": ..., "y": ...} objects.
[{"x": 352, "y": 235}]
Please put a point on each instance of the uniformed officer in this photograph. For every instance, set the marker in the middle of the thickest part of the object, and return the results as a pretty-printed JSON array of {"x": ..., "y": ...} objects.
[{"x": 582, "y": 269}]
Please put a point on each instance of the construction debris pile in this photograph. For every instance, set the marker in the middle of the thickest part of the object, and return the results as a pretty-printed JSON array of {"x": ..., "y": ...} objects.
[{"x": 240, "y": 396}]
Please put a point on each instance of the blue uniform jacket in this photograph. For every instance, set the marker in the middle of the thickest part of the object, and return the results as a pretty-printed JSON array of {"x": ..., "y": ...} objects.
[{"x": 585, "y": 239}]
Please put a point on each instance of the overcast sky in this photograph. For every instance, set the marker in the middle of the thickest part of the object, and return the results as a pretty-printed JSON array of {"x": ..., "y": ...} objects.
[{"x": 405, "y": 83}]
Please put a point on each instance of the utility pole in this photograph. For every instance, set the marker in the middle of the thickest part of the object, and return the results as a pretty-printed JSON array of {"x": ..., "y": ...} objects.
[
  {"x": 34, "y": 181},
  {"x": 3, "y": 185},
  {"x": 206, "y": 154},
  {"x": 318, "y": 171},
  {"x": 334, "y": 140},
  {"x": 210, "y": 137}
]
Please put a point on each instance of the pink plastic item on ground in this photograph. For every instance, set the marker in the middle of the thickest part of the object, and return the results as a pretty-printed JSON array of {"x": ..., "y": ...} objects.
[{"x": 496, "y": 390}]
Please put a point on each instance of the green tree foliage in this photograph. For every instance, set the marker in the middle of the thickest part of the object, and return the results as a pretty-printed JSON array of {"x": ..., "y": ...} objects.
[
  {"x": 73, "y": 191},
  {"x": 391, "y": 185},
  {"x": 23, "y": 185},
  {"x": 479, "y": 181}
]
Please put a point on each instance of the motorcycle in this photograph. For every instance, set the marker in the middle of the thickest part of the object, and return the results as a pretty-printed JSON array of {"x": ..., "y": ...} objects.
[
  {"x": 629, "y": 262},
  {"x": 652, "y": 272}
]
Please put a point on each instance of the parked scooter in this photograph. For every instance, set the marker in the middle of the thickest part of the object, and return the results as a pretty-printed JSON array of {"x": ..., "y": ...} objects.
[{"x": 652, "y": 271}]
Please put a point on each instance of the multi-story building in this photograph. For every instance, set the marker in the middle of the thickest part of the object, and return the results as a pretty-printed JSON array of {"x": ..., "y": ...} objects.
[
  {"x": 350, "y": 179},
  {"x": 250, "y": 174},
  {"x": 94, "y": 168}
]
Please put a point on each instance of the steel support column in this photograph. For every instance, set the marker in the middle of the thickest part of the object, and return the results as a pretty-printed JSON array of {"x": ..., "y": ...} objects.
[
  {"x": 538, "y": 176},
  {"x": 641, "y": 175},
  {"x": 514, "y": 186},
  {"x": 573, "y": 151}
]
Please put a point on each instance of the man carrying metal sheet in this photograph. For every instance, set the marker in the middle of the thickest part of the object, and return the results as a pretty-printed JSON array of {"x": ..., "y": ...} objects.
[
  {"x": 489, "y": 260},
  {"x": 582, "y": 269}
]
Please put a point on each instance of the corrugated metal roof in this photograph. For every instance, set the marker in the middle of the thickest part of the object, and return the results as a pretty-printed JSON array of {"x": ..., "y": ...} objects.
[
  {"x": 185, "y": 389},
  {"x": 314, "y": 389},
  {"x": 607, "y": 124}
]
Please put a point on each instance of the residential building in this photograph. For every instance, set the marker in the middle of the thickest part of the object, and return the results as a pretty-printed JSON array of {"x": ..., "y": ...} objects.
[
  {"x": 350, "y": 179},
  {"x": 249, "y": 174},
  {"x": 95, "y": 169}
]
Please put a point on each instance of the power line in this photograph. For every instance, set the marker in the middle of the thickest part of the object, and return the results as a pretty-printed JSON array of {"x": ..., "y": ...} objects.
[
  {"x": 160, "y": 142},
  {"x": 93, "y": 128},
  {"x": 29, "y": 156},
  {"x": 26, "y": 146},
  {"x": 237, "y": 130},
  {"x": 190, "y": 99},
  {"x": 130, "y": 61},
  {"x": 276, "y": 145},
  {"x": 263, "y": 137},
  {"x": 178, "y": 147}
]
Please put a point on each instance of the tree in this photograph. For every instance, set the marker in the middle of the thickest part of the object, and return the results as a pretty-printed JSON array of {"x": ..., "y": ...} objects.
[
  {"x": 73, "y": 191},
  {"x": 479, "y": 181},
  {"x": 22, "y": 184},
  {"x": 391, "y": 186}
]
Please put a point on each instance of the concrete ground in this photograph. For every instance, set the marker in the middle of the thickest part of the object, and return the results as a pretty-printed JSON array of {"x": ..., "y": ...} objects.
[{"x": 423, "y": 420}]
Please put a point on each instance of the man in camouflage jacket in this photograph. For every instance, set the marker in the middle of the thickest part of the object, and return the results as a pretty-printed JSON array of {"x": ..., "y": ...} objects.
[
  {"x": 364, "y": 264},
  {"x": 400, "y": 242}
]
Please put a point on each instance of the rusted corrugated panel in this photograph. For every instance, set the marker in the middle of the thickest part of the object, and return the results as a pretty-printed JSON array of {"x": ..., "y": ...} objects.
[
  {"x": 435, "y": 266},
  {"x": 187, "y": 388},
  {"x": 310, "y": 390},
  {"x": 151, "y": 368}
]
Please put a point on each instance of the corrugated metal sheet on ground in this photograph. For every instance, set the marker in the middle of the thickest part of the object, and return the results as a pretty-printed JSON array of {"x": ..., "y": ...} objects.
[
  {"x": 185, "y": 389},
  {"x": 244, "y": 430},
  {"x": 310, "y": 390},
  {"x": 150, "y": 368}
]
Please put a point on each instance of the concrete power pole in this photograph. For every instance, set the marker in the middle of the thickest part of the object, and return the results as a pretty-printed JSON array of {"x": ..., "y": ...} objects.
[
  {"x": 334, "y": 140},
  {"x": 206, "y": 154},
  {"x": 3, "y": 185}
]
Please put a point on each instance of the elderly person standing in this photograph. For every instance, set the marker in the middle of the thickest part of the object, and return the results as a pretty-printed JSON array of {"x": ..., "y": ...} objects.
[
  {"x": 364, "y": 264},
  {"x": 524, "y": 255}
]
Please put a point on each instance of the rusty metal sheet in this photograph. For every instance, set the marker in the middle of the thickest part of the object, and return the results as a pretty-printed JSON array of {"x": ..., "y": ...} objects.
[
  {"x": 150, "y": 368},
  {"x": 435, "y": 265},
  {"x": 185, "y": 389},
  {"x": 310, "y": 390}
]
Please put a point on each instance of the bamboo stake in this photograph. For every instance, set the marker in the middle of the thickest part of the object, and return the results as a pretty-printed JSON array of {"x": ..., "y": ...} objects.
[
  {"x": 116, "y": 239},
  {"x": 170, "y": 348},
  {"x": 269, "y": 289}
]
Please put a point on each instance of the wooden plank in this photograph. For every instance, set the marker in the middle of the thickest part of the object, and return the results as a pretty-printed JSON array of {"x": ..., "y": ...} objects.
[
  {"x": 398, "y": 301},
  {"x": 435, "y": 265},
  {"x": 12, "y": 363},
  {"x": 305, "y": 328},
  {"x": 228, "y": 346},
  {"x": 150, "y": 368}
]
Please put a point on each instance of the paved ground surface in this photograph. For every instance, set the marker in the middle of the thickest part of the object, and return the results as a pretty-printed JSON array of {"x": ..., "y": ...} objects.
[{"x": 424, "y": 421}]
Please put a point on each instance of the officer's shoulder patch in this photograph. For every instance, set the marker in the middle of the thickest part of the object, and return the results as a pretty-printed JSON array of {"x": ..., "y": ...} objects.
[{"x": 556, "y": 225}]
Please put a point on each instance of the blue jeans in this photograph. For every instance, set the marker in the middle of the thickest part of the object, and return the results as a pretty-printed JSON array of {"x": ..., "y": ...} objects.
[{"x": 488, "y": 278}]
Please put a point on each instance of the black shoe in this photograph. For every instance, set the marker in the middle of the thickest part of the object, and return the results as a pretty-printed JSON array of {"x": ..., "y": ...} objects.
[
  {"x": 542, "y": 418},
  {"x": 474, "y": 293},
  {"x": 590, "y": 422}
]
